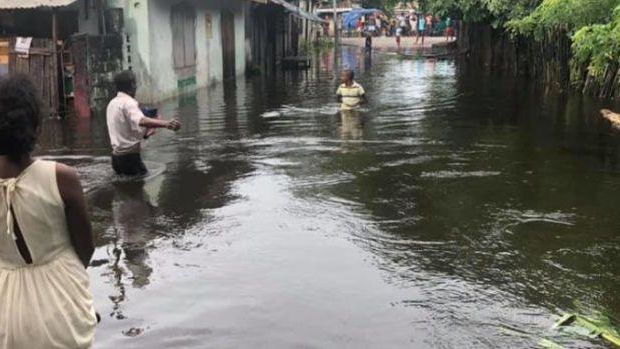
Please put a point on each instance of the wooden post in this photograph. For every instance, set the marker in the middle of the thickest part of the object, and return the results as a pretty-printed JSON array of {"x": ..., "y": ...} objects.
[
  {"x": 101, "y": 14},
  {"x": 335, "y": 24},
  {"x": 55, "y": 30},
  {"x": 54, "y": 75}
]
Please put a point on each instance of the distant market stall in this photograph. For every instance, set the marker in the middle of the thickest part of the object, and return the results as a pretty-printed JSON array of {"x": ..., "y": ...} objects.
[{"x": 351, "y": 18}]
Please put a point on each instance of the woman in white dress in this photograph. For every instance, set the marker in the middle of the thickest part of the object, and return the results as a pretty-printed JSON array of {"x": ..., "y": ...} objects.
[{"x": 45, "y": 236}]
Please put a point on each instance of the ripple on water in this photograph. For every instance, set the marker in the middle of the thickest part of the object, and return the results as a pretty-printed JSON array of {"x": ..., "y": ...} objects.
[
  {"x": 96, "y": 171},
  {"x": 458, "y": 174},
  {"x": 515, "y": 217}
]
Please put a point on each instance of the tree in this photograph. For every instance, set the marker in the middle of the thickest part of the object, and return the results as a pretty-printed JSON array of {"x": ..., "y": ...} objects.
[{"x": 381, "y": 4}]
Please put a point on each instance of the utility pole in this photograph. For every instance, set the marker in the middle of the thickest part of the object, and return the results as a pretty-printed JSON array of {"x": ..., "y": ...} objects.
[{"x": 335, "y": 24}]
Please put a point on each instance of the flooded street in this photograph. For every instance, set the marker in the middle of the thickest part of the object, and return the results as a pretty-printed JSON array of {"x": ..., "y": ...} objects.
[{"x": 457, "y": 211}]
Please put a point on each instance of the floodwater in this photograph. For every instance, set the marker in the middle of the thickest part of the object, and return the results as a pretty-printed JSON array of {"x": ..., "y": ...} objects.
[{"x": 459, "y": 210}]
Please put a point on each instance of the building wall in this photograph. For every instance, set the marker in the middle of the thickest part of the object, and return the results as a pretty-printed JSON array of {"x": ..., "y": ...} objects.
[
  {"x": 136, "y": 41},
  {"x": 97, "y": 59},
  {"x": 163, "y": 82},
  {"x": 267, "y": 32},
  {"x": 88, "y": 22},
  {"x": 148, "y": 26}
]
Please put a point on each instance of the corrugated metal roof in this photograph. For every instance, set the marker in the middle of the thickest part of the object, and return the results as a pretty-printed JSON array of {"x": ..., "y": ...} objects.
[
  {"x": 22, "y": 4},
  {"x": 296, "y": 11}
]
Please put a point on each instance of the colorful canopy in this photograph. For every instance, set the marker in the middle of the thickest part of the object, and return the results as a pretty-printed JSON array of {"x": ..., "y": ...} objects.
[{"x": 351, "y": 18}]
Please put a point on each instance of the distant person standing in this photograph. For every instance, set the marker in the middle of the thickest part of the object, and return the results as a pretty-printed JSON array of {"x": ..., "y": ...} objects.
[
  {"x": 393, "y": 25},
  {"x": 350, "y": 94},
  {"x": 429, "y": 24},
  {"x": 399, "y": 33},
  {"x": 368, "y": 41},
  {"x": 378, "y": 24},
  {"x": 128, "y": 126},
  {"x": 421, "y": 29},
  {"x": 413, "y": 26},
  {"x": 360, "y": 27},
  {"x": 402, "y": 21},
  {"x": 449, "y": 29}
]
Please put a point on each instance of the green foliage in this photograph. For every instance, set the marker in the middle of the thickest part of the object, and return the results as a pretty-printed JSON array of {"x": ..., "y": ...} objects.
[
  {"x": 593, "y": 24},
  {"x": 563, "y": 14},
  {"x": 597, "y": 325},
  {"x": 598, "y": 46},
  {"x": 469, "y": 10},
  {"x": 323, "y": 44},
  {"x": 381, "y": 4},
  {"x": 493, "y": 11}
]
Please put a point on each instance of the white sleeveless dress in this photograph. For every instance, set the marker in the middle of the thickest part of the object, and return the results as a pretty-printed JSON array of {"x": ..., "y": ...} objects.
[{"x": 47, "y": 304}]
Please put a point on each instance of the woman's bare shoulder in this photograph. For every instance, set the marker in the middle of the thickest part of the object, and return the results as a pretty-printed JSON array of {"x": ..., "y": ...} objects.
[{"x": 68, "y": 181}]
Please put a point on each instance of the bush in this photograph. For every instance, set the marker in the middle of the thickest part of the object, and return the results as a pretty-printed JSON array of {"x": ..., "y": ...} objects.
[
  {"x": 570, "y": 15},
  {"x": 317, "y": 46},
  {"x": 598, "y": 46}
]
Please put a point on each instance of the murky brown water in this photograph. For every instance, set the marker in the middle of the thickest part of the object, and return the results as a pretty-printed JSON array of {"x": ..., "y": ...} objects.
[{"x": 459, "y": 211}]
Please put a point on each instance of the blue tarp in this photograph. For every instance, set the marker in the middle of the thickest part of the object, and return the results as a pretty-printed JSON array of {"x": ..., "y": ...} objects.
[{"x": 351, "y": 18}]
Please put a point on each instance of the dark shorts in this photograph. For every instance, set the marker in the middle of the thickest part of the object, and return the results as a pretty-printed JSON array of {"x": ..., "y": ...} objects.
[{"x": 129, "y": 165}]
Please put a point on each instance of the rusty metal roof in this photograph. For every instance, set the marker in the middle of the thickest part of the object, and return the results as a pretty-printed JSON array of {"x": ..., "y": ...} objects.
[{"x": 24, "y": 4}]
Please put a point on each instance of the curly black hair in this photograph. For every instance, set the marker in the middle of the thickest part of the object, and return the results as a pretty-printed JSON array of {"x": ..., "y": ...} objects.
[{"x": 20, "y": 114}]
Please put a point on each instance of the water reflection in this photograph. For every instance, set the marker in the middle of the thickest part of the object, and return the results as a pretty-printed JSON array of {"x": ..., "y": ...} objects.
[
  {"x": 134, "y": 216},
  {"x": 131, "y": 228},
  {"x": 352, "y": 125}
]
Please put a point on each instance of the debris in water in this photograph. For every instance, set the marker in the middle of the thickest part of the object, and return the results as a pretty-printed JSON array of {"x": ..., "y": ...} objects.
[
  {"x": 271, "y": 115},
  {"x": 592, "y": 328},
  {"x": 547, "y": 344},
  {"x": 133, "y": 332},
  {"x": 614, "y": 118}
]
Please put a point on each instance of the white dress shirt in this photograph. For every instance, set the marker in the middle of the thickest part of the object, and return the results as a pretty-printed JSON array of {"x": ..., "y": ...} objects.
[{"x": 123, "y": 118}]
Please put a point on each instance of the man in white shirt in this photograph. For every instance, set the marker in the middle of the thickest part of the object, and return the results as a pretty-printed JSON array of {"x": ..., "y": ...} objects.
[{"x": 127, "y": 126}]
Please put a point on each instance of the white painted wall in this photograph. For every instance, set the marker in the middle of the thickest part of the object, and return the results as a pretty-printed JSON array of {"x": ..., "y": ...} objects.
[
  {"x": 163, "y": 79},
  {"x": 202, "y": 48},
  {"x": 147, "y": 22},
  {"x": 214, "y": 44},
  {"x": 215, "y": 70},
  {"x": 136, "y": 17}
]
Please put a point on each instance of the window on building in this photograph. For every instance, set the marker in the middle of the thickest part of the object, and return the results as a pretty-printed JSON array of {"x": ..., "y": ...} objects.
[{"x": 183, "y": 24}]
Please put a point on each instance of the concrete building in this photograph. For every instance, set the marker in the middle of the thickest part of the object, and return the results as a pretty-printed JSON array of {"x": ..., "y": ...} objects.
[
  {"x": 173, "y": 46},
  {"x": 276, "y": 30}
]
